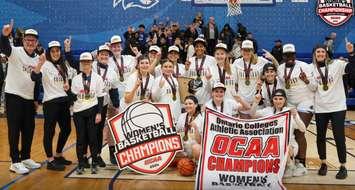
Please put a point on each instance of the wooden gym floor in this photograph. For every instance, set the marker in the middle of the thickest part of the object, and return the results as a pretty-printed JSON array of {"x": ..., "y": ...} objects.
[{"x": 44, "y": 179}]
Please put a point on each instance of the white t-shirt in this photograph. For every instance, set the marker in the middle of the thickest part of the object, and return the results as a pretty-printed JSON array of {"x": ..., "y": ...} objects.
[
  {"x": 111, "y": 81},
  {"x": 131, "y": 82},
  {"x": 300, "y": 94},
  {"x": 247, "y": 92},
  {"x": 52, "y": 82},
  {"x": 230, "y": 107},
  {"x": 180, "y": 128},
  {"x": 165, "y": 95},
  {"x": 296, "y": 123},
  {"x": 178, "y": 67},
  {"x": 264, "y": 92},
  {"x": 334, "y": 98},
  {"x": 230, "y": 82},
  {"x": 18, "y": 79},
  {"x": 129, "y": 64},
  {"x": 96, "y": 90}
]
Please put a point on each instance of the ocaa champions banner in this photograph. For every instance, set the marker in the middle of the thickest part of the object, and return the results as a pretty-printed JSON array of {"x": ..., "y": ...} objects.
[
  {"x": 146, "y": 140},
  {"x": 240, "y": 154}
]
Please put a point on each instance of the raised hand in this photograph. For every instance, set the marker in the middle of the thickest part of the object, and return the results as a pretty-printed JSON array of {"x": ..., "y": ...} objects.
[
  {"x": 257, "y": 98},
  {"x": 303, "y": 76},
  {"x": 349, "y": 46},
  {"x": 293, "y": 112},
  {"x": 138, "y": 82},
  {"x": 42, "y": 59},
  {"x": 267, "y": 54},
  {"x": 7, "y": 28},
  {"x": 67, "y": 44}
]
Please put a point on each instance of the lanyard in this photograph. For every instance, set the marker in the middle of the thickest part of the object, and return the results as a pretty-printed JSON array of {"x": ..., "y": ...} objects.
[{"x": 172, "y": 86}]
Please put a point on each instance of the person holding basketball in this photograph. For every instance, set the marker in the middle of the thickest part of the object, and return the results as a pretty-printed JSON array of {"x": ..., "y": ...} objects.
[
  {"x": 298, "y": 80},
  {"x": 330, "y": 104},
  {"x": 88, "y": 89}
]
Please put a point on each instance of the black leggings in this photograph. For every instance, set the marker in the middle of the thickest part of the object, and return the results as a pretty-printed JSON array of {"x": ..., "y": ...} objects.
[
  {"x": 20, "y": 121},
  {"x": 100, "y": 127},
  {"x": 337, "y": 119},
  {"x": 86, "y": 133},
  {"x": 56, "y": 112}
]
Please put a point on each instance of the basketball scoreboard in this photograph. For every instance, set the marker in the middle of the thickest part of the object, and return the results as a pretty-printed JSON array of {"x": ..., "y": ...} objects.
[{"x": 223, "y": 2}]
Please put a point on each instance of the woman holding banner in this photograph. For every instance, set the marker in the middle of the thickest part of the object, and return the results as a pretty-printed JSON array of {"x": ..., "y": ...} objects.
[
  {"x": 166, "y": 89},
  {"x": 279, "y": 103},
  {"x": 330, "y": 104},
  {"x": 139, "y": 83},
  {"x": 190, "y": 124}
]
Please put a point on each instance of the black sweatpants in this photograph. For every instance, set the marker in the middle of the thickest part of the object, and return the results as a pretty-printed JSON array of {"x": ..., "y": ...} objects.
[
  {"x": 20, "y": 121},
  {"x": 86, "y": 133},
  {"x": 100, "y": 128},
  {"x": 337, "y": 119},
  {"x": 56, "y": 112}
]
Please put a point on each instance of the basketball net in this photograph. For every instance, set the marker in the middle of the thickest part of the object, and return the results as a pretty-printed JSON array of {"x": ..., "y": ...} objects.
[{"x": 234, "y": 7}]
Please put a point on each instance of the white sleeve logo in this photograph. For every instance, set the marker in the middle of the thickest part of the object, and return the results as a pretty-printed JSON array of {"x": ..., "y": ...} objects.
[{"x": 143, "y": 4}]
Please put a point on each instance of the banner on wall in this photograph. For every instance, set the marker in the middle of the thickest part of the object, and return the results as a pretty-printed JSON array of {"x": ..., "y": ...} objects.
[
  {"x": 243, "y": 154},
  {"x": 335, "y": 12},
  {"x": 145, "y": 137}
]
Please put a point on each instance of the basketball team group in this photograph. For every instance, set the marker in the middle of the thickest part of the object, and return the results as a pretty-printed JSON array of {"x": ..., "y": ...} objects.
[{"x": 103, "y": 83}]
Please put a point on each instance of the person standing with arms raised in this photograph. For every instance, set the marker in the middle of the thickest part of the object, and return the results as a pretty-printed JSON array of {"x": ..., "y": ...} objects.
[{"x": 19, "y": 93}]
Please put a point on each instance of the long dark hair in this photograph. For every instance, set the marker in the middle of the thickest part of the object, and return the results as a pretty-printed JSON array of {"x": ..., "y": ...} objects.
[
  {"x": 195, "y": 100},
  {"x": 60, "y": 62}
]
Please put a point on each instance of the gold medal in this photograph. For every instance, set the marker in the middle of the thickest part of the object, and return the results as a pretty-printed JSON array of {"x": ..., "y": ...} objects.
[
  {"x": 247, "y": 82},
  {"x": 185, "y": 138},
  {"x": 325, "y": 87},
  {"x": 288, "y": 85},
  {"x": 174, "y": 97},
  {"x": 121, "y": 78}
]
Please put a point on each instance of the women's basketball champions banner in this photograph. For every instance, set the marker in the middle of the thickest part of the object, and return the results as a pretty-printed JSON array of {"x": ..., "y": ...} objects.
[
  {"x": 145, "y": 137},
  {"x": 240, "y": 154}
]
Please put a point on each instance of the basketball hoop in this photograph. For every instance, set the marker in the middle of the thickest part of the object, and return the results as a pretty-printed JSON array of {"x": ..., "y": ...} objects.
[{"x": 234, "y": 7}]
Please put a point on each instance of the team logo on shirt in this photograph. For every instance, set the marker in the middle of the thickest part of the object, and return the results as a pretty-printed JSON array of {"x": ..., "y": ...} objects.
[
  {"x": 335, "y": 12},
  {"x": 142, "y": 4},
  {"x": 146, "y": 140}
]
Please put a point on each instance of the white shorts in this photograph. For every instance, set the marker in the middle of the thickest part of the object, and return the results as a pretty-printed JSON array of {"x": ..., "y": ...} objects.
[{"x": 306, "y": 106}]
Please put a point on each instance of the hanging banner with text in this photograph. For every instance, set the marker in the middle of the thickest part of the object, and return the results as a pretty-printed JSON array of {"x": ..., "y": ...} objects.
[{"x": 243, "y": 154}]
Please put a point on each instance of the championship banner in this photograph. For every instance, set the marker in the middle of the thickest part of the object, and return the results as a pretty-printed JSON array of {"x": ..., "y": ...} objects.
[
  {"x": 145, "y": 137},
  {"x": 243, "y": 154}
]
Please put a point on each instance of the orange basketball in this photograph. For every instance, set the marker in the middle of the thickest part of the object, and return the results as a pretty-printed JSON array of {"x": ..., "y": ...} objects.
[{"x": 186, "y": 167}]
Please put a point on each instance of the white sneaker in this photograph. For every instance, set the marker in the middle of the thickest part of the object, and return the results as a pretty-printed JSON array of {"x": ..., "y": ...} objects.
[
  {"x": 30, "y": 164},
  {"x": 289, "y": 171},
  {"x": 19, "y": 168},
  {"x": 299, "y": 170}
]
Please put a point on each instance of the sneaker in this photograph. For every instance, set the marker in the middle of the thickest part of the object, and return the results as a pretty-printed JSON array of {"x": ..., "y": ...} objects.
[
  {"x": 342, "y": 173},
  {"x": 100, "y": 162},
  {"x": 55, "y": 165},
  {"x": 19, "y": 168},
  {"x": 80, "y": 170},
  {"x": 86, "y": 163},
  {"x": 62, "y": 160},
  {"x": 299, "y": 170},
  {"x": 30, "y": 164},
  {"x": 323, "y": 170},
  {"x": 289, "y": 171},
  {"x": 94, "y": 168}
]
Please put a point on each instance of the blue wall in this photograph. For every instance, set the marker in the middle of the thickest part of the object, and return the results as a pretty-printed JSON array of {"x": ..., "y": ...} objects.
[{"x": 91, "y": 22}]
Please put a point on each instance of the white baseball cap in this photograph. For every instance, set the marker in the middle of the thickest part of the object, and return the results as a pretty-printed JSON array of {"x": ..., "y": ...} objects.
[
  {"x": 219, "y": 85},
  {"x": 247, "y": 44},
  {"x": 221, "y": 46},
  {"x": 199, "y": 39},
  {"x": 173, "y": 48},
  {"x": 116, "y": 39},
  {"x": 289, "y": 48},
  {"x": 86, "y": 56},
  {"x": 104, "y": 48},
  {"x": 155, "y": 48},
  {"x": 53, "y": 44},
  {"x": 31, "y": 32}
]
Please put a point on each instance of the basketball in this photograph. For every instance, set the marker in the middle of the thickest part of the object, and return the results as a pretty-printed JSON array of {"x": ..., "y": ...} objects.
[{"x": 186, "y": 167}]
